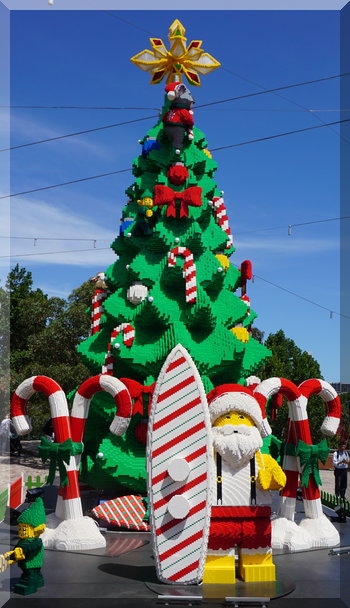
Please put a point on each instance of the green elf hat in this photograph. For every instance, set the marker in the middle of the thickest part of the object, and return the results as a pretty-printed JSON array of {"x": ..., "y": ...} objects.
[{"x": 34, "y": 515}]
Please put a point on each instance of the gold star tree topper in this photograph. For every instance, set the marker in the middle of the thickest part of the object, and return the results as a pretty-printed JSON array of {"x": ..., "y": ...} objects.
[{"x": 178, "y": 61}]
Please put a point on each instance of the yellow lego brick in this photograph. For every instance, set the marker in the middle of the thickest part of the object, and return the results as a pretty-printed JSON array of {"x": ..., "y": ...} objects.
[
  {"x": 254, "y": 573},
  {"x": 219, "y": 569}
]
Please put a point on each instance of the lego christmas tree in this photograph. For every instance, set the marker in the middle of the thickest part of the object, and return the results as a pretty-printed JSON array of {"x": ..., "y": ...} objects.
[{"x": 172, "y": 282}]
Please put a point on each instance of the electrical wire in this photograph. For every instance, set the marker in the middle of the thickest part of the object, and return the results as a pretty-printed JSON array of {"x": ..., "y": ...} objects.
[
  {"x": 73, "y": 181},
  {"x": 74, "y": 108},
  {"x": 243, "y": 143},
  {"x": 22, "y": 255},
  {"x": 111, "y": 126},
  {"x": 95, "y": 239},
  {"x": 255, "y": 276},
  {"x": 256, "y": 93},
  {"x": 251, "y": 141}
]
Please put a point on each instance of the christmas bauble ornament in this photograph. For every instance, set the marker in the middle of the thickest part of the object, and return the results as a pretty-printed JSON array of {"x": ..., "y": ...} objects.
[{"x": 136, "y": 293}]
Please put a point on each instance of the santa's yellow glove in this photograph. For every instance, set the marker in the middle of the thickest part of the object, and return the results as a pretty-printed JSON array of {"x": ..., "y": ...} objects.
[{"x": 270, "y": 474}]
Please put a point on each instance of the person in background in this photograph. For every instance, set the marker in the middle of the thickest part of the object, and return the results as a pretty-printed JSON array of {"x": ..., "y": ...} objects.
[
  {"x": 341, "y": 463},
  {"x": 5, "y": 433}
]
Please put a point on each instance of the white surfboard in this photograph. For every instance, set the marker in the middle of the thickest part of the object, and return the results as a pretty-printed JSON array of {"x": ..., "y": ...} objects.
[{"x": 178, "y": 465}]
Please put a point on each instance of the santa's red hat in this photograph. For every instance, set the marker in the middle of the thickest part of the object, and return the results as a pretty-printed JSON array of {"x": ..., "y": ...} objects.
[
  {"x": 172, "y": 90},
  {"x": 234, "y": 397}
]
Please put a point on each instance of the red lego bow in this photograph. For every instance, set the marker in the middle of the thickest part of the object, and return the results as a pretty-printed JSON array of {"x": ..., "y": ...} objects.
[
  {"x": 136, "y": 391},
  {"x": 166, "y": 196}
]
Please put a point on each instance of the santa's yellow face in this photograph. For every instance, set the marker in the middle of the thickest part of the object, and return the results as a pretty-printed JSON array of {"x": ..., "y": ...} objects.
[{"x": 234, "y": 418}]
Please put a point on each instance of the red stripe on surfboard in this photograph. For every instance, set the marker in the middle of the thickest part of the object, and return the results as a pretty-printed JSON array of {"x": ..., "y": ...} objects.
[
  {"x": 182, "y": 545},
  {"x": 189, "y": 458},
  {"x": 178, "y": 439},
  {"x": 182, "y": 410},
  {"x": 187, "y": 486},
  {"x": 175, "y": 389},
  {"x": 175, "y": 364},
  {"x": 174, "y": 522},
  {"x": 184, "y": 571}
]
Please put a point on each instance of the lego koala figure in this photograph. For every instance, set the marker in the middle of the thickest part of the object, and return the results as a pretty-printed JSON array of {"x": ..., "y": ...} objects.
[{"x": 179, "y": 118}]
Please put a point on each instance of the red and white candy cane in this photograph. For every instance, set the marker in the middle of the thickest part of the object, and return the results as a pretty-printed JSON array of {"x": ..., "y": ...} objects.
[
  {"x": 246, "y": 301},
  {"x": 82, "y": 399},
  {"x": 330, "y": 397},
  {"x": 97, "y": 310},
  {"x": 299, "y": 429},
  {"x": 68, "y": 502},
  {"x": 128, "y": 332},
  {"x": 189, "y": 271},
  {"x": 221, "y": 219}
]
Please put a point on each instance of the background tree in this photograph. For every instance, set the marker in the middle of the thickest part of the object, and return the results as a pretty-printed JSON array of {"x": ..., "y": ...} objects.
[{"x": 44, "y": 335}]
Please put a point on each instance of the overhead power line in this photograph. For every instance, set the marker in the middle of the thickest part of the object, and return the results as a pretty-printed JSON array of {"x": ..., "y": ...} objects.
[
  {"x": 24, "y": 107},
  {"x": 73, "y": 181},
  {"x": 22, "y": 255},
  {"x": 297, "y": 295},
  {"x": 243, "y": 143},
  {"x": 95, "y": 239},
  {"x": 111, "y": 126},
  {"x": 288, "y": 86},
  {"x": 42, "y": 141},
  {"x": 331, "y": 312},
  {"x": 252, "y": 141}
]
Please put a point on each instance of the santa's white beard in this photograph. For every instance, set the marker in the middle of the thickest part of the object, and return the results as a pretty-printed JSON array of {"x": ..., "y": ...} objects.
[{"x": 238, "y": 447}]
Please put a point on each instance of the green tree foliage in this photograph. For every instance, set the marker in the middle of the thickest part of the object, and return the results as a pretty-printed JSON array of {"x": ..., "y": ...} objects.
[
  {"x": 44, "y": 335},
  {"x": 289, "y": 361}
]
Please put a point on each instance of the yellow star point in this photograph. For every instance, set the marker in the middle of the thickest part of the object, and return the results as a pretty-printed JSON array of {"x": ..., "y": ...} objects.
[{"x": 180, "y": 60}]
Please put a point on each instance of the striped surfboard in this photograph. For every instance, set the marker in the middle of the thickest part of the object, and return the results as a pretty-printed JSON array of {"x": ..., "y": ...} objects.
[{"x": 178, "y": 461}]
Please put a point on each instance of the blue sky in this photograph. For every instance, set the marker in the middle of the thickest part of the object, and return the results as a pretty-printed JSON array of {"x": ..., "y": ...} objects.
[{"x": 82, "y": 58}]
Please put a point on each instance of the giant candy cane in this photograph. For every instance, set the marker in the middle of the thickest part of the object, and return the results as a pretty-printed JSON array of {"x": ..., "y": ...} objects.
[
  {"x": 189, "y": 271},
  {"x": 82, "y": 399},
  {"x": 68, "y": 502},
  {"x": 299, "y": 429},
  {"x": 128, "y": 337}
]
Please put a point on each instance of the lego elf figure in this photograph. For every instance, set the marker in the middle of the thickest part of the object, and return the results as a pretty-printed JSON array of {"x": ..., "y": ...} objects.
[
  {"x": 242, "y": 478},
  {"x": 29, "y": 551}
]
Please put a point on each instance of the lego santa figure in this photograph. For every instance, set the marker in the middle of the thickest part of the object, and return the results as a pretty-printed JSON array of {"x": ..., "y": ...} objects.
[{"x": 242, "y": 480}]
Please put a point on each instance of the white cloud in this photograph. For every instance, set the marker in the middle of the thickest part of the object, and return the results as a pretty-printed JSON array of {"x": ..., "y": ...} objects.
[
  {"x": 37, "y": 219},
  {"x": 288, "y": 245},
  {"x": 29, "y": 130}
]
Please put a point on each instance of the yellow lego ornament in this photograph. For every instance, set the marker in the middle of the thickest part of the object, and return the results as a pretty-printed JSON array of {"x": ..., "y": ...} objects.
[
  {"x": 180, "y": 60},
  {"x": 241, "y": 333}
]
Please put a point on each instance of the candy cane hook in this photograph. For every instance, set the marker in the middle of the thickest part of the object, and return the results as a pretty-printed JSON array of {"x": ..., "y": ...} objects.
[
  {"x": 82, "y": 399},
  {"x": 221, "y": 219},
  {"x": 189, "y": 271},
  {"x": 97, "y": 310},
  {"x": 128, "y": 337},
  {"x": 68, "y": 502},
  {"x": 331, "y": 399}
]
